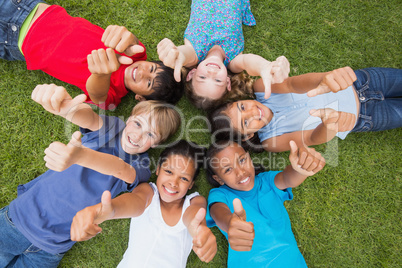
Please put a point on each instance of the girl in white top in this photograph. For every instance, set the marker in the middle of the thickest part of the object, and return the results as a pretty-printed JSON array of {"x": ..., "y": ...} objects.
[{"x": 165, "y": 223}]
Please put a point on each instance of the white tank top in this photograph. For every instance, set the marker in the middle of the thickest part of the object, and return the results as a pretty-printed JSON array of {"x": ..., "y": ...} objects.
[{"x": 153, "y": 243}]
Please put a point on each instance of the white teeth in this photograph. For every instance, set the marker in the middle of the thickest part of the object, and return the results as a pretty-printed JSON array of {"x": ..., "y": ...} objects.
[
  {"x": 169, "y": 191},
  {"x": 132, "y": 142},
  {"x": 260, "y": 113},
  {"x": 245, "y": 180},
  {"x": 134, "y": 73}
]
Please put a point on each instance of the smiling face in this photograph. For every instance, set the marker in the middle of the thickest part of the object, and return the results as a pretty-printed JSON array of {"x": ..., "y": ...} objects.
[
  {"x": 248, "y": 116},
  {"x": 210, "y": 78},
  {"x": 139, "y": 77},
  {"x": 233, "y": 167},
  {"x": 139, "y": 134},
  {"x": 175, "y": 178}
]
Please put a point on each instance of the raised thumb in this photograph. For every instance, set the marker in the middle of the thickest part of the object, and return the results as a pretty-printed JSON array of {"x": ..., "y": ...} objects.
[
  {"x": 106, "y": 207},
  {"x": 124, "y": 60},
  {"x": 321, "y": 89},
  {"x": 75, "y": 139},
  {"x": 79, "y": 99},
  {"x": 198, "y": 218},
  {"x": 135, "y": 49},
  {"x": 177, "y": 70},
  {"x": 238, "y": 209}
]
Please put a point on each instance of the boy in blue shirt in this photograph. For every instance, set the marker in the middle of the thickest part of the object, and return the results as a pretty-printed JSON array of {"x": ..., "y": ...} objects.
[{"x": 35, "y": 227}]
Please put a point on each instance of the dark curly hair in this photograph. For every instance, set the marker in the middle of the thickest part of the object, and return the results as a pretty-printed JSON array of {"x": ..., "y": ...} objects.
[{"x": 165, "y": 87}]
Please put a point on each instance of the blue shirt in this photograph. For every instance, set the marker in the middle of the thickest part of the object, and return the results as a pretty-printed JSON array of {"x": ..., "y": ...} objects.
[
  {"x": 291, "y": 111},
  {"x": 45, "y": 206},
  {"x": 274, "y": 243},
  {"x": 218, "y": 22}
]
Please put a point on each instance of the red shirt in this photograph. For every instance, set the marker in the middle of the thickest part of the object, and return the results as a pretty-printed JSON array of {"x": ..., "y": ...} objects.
[{"x": 58, "y": 44}]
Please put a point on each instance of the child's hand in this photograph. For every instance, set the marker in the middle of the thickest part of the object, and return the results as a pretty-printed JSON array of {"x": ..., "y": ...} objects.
[
  {"x": 334, "y": 120},
  {"x": 306, "y": 161},
  {"x": 280, "y": 69},
  {"x": 240, "y": 233},
  {"x": 274, "y": 72},
  {"x": 204, "y": 241},
  {"x": 85, "y": 222},
  {"x": 104, "y": 62},
  {"x": 171, "y": 57},
  {"x": 122, "y": 40},
  {"x": 55, "y": 99},
  {"x": 60, "y": 156},
  {"x": 335, "y": 81}
]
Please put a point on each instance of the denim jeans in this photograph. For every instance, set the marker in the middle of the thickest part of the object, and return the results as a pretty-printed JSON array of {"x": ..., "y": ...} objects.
[
  {"x": 12, "y": 15},
  {"x": 17, "y": 251},
  {"x": 380, "y": 94}
]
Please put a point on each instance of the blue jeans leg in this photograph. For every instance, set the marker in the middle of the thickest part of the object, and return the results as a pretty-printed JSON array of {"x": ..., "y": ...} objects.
[
  {"x": 12, "y": 15},
  {"x": 17, "y": 251},
  {"x": 380, "y": 95}
]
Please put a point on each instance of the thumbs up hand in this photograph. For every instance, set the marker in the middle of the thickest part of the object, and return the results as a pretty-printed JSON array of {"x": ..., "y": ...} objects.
[
  {"x": 85, "y": 222},
  {"x": 60, "y": 156},
  {"x": 240, "y": 232},
  {"x": 204, "y": 241},
  {"x": 334, "y": 81},
  {"x": 55, "y": 99}
]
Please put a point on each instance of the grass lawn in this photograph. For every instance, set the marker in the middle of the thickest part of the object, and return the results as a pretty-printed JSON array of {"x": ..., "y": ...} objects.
[{"x": 348, "y": 215}]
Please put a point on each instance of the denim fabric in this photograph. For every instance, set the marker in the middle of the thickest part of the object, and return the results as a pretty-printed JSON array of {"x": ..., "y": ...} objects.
[
  {"x": 380, "y": 94},
  {"x": 12, "y": 15},
  {"x": 17, "y": 251}
]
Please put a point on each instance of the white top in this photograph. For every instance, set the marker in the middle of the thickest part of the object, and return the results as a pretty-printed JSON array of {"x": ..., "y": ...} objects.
[{"x": 153, "y": 243}]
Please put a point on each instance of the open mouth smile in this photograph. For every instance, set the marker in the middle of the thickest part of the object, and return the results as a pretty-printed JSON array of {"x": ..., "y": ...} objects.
[
  {"x": 246, "y": 180},
  {"x": 170, "y": 191},
  {"x": 132, "y": 142},
  {"x": 134, "y": 73}
]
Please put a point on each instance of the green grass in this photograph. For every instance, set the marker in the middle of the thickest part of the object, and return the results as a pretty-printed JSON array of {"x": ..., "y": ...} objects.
[{"x": 348, "y": 215}]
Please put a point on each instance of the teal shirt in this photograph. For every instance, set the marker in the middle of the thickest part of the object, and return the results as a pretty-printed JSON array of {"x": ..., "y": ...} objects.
[{"x": 274, "y": 243}]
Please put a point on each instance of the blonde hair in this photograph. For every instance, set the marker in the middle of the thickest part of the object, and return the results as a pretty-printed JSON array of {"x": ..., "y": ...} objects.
[
  {"x": 167, "y": 119},
  {"x": 241, "y": 88}
]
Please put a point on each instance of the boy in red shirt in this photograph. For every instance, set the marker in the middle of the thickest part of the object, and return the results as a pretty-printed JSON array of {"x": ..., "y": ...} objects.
[{"x": 105, "y": 64}]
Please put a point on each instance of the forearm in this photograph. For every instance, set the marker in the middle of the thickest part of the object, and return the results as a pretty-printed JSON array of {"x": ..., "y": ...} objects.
[
  {"x": 221, "y": 214},
  {"x": 98, "y": 86},
  {"x": 292, "y": 178},
  {"x": 83, "y": 116},
  {"x": 107, "y": 164},
  {"x": 297, "y": 84},
  {"x": 251, "y": 63},
  {"x": 321, "y": 134},
  {"x": 132, "y": 204},
  {"x": 189, "y": 54},
  {"x": 197, "y": 203}
]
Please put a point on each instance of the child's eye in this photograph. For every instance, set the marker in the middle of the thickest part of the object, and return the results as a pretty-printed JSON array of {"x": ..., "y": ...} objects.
[
  {"x": 202, "y": 77},
  {"x": 168, "y": 171},
  {"x": 150, "y": 135},
  {"x": 137, "y": 123},
  {"x": 184, "y": 179},
  {"x": 149, "y": 83},
  {"x": 245, "y": 123},
  {"x": 217, "y": 80},
  {"x": 152, "y": 69},
  {"x": 242, "y": 107},
  {"x": 242, "y": 160},
  {"x": 227, "y": 170}
]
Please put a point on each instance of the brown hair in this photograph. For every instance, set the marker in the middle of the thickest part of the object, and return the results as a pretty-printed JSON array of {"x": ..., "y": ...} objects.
[
  {"x": 167, "y": 119},
  {"x": 242, "y": 88}
]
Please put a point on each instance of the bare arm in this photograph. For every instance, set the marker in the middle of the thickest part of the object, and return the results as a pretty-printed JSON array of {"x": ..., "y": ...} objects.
[
  {"x": 177, "y": 57},
  {"x": 240, "y": 232},
  {"x": 270, "y": 72},
  {"x": 204, "y": 241},
  {"x": 313, "y": 83},
  {"x": 304, "y": 162},
  {"x": 56, "y": 100},
  {"x": 85, "y": 223},
  {"x": 60, "y": 157}
]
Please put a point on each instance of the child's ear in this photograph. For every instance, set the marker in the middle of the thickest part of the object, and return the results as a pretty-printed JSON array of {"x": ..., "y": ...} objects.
[
  {"x": 249, "y": 136},
  {"x": 218, "y": 180},
  {"x": 191, "y": 185},
  {"x": 229, "y": 83},
  {"x": 190, "y": 74},
  {"x": 139, "y": 98}
]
